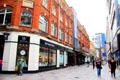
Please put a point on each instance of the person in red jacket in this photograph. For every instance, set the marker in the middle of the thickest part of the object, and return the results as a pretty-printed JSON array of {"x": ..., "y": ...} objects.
[{"x": 0, "y": 65}]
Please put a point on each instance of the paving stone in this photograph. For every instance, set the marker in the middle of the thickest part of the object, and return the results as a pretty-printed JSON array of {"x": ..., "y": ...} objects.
[{"x": 81, "y": 72}]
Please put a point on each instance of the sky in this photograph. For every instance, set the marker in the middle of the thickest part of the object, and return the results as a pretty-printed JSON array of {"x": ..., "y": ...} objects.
[{"x": 91, "y": 14}]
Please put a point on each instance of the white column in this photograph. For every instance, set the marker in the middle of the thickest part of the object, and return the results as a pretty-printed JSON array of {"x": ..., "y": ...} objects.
[
  {"x": 9, "y": 54},
  {"x": 58, "y": 58},
  {"x": 33, "y": 54},
  {"x": 65, "y": 58}
]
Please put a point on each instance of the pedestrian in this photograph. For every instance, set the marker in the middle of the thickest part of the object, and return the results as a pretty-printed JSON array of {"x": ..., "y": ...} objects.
[
  {"x": 20, "y": 66},
  {"x": 93, "y": 63},
  {"x": 99, "y": 67},
  {"x": 113, "y": 66},
  {"x": 0, "y": 65},
  {"x": 88, "y": 63}
]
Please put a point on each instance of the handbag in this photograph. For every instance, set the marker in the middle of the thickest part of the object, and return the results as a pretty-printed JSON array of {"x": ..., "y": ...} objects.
[{"x": 16, "y": 68}]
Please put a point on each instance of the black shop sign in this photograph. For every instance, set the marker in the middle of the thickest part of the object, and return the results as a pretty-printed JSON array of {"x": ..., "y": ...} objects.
[
  {"x": 44, "y": 43},
  {"x": 23, "y": 39}
]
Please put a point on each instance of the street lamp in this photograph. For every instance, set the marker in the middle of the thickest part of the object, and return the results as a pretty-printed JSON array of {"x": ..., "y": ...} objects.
[{"x": 6, "y": 35}]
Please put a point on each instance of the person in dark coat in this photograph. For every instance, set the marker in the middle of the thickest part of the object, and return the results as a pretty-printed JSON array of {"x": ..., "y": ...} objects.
[
  {"x": 93, "y": 63},
  {"x": 99, "y": 67},
  {"x": 20, "y": 66},
  {"x": 113, "y": 66}
]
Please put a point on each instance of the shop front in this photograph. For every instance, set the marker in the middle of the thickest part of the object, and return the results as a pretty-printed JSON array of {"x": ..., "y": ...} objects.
[
  {"x": 47, "y": 55},
  {"x": 38, "y": 53},
  {"x": 80, "y": 58}
]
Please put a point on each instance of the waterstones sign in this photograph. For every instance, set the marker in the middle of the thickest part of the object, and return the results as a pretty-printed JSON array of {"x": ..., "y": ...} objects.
[{"x": 47, "y": 44}]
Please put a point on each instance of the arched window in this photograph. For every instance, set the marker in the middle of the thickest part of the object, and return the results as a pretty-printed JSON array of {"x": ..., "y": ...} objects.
[
  {"x": 5, "y": 16},
  {"x": 43, "y": 23},
  {"x": 26, "y": 17}
]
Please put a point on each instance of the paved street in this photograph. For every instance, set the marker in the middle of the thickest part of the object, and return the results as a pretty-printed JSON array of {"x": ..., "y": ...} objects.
[{"x": 71, "y": 73}]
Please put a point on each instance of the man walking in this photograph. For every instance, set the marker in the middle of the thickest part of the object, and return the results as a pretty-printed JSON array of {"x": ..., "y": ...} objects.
[
  {"x": 99, "y": 67},
  {"x": 113, "y": 66}
]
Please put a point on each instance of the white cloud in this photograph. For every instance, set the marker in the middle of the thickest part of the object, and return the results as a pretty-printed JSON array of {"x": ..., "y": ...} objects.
[{"x": 91, "y": 14}]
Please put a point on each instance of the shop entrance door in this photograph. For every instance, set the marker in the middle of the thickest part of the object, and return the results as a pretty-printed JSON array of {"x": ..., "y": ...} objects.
[
  {"x": 2, "y": 41},
  {"x": 23, "y": 51},
  {"x": 70, "y": 59}
]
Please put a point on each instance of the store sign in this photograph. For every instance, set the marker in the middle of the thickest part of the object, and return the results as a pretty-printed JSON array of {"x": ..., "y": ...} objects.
[
  {"x": 23, "y": 39},
  {"x": 47, "y": 44}
]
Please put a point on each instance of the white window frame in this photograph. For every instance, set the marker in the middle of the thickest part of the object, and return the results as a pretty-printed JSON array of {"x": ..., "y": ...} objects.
[
  {"x": 66, "y": 36},
  {"x": 54, "y": 11},
  {"x": 53, "y": 30},
  {"x": 70, "y": 39},
  {"x": 59, "y": 33},
  {"x": 61, "y": 17},
  {"x": 43, "y": 24},
  {"x": 5, "y": 13},
  {"x": 66, "y": 23}
]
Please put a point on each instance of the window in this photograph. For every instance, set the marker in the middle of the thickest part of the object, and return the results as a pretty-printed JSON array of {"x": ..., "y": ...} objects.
[
  {"x": 70, "y": 39},
  {"x": 26, "y": 17},
  {"x": 44, "y": 3},
  {"x": 52, "y": 57},
  {"x": 79, "y": 45},
  {"x": 53, "y": 30},
  {"x": 43, "y": 56},
  {"x": 43, "y": 24},
  {"x": 70, "y": 27},
  {"x": 66, "y": 23},
  {"x": 61, "y": 17},
  {"x": 66, "y": 36},
  {"x": 54, "y": 11},
  {"x": 60, "y": 34},
  {"x": 61, "y": 58},
  {"x": 47, "y": 57},
  {"x": 5, "y": 16}
]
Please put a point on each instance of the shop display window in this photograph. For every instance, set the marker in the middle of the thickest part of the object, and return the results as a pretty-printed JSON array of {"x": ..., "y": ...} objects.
[
  {"x": 61, "y": 58},
  {"x": 52, "y": 57},
  {"x": 47, "y": 57},
  {"x": 43, "y": 56}
]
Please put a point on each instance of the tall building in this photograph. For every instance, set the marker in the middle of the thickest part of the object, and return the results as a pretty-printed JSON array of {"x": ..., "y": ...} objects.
[
  {"x": 39, "y": 31},
  {"x": 113, "y": 27},
  {"x": 99, "y": 42}
]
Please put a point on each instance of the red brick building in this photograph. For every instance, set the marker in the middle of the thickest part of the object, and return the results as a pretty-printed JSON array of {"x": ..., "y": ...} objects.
[{"x": 39, "y": 31}]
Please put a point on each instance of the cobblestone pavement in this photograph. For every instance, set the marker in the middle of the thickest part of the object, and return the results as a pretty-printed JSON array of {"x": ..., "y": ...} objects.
[{"x": 70, "y": 73}]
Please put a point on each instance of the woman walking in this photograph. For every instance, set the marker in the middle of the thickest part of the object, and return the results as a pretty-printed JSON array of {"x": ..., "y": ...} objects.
[{"x": 99, "y": 67}]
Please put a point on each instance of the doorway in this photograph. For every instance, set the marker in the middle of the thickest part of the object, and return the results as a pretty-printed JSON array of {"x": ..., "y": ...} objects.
[
  {"x": 2, "y": 42},
  {"x": 23, "y": 51}
]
